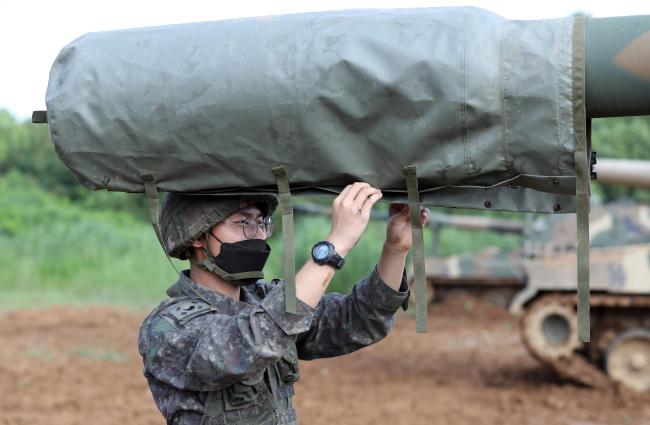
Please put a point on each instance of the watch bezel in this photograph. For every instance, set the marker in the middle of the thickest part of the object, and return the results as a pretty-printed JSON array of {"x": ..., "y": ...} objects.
[
  {"x": 332, "y": 258},
  {"x": 330, "y": 251}
]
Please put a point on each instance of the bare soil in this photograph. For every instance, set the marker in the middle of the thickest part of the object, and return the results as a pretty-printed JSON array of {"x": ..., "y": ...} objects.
[{"x": 81, "y": 366}]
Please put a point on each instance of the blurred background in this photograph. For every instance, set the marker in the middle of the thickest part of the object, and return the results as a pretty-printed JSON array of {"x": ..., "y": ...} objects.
[
  {"x": 66, "y": 244},
  {"x": 79, "y": 270},
  {"x": 62, "y": 243}
]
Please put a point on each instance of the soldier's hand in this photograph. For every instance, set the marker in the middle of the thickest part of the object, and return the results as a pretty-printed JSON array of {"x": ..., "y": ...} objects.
[
  {"x": 350, "y": 215},
  {"x": 398, "y": 229}
]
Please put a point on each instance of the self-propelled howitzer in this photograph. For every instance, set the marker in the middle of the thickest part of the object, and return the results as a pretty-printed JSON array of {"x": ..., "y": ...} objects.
[
  {"x": 453, "y": 107},
  {"x": 538, "y": 283}
]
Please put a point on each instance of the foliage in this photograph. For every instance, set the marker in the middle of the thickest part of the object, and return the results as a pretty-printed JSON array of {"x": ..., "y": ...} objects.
[
  {"x": 25, "y": 205},
  {"x": 622, "y": 138},
  {"x": 64, "y": 244},
  {"x": 55, "y": 251},
  {"x": 60, "y": 252},
  {"x": 26, "y": 148}
]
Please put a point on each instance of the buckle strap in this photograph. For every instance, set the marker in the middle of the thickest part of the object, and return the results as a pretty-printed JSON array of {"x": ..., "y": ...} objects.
[
  {"x": 212, "y": 267},
  {"x": 410, "y": 172},
  {"x": 288, "y": 242},
  {"x": 154, "y": 208},
  {"x": 581, "y": 156}
]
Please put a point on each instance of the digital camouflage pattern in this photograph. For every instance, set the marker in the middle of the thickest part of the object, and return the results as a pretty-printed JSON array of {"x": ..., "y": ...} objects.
[
  {"x": 491, "y": 265},
  {"x": 538, "y": 283},
  {"x": 239, "y": 358},
  {"x": 620, "y": 299},
  {"x": 619, "y": 241},
  {"x": 494, "y": 275},
  {"x": 184, "y": 218},
  {"x": 610, "y": 225}
]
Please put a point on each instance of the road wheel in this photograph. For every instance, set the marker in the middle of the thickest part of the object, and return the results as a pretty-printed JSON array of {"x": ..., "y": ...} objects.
[
  {"x": 628, "y": 359},
  {"x": 550, "y": 328}
]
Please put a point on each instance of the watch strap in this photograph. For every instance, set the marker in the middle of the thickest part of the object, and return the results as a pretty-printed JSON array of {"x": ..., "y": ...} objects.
[
  {"x": 333, "y": 258},
  {"x": 336, "y": 261}
]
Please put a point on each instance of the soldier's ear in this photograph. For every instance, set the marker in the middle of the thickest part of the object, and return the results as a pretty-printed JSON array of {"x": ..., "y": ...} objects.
[{"x": 198, "y": 246}]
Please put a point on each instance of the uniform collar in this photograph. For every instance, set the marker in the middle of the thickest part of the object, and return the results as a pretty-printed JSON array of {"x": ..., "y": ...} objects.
[{"x": 185, "y": 286}]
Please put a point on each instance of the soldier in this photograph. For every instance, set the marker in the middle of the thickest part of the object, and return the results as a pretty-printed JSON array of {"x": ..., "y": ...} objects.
[{"x": 222, "y": 349}]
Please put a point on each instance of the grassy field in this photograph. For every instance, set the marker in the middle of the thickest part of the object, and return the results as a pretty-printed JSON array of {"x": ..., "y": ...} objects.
[
  {"x": 61, "y": 243},
  {"x": 55, "y": 251}
]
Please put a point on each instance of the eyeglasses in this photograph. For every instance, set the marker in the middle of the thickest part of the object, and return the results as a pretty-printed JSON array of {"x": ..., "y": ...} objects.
[{"x": 250, "y": 227}]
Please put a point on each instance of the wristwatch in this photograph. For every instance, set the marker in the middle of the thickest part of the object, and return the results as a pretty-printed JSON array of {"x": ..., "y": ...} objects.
[{"x": 324, "y": 252}]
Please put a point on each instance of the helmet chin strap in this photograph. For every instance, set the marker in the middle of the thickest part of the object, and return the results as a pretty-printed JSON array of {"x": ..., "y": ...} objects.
[{"x": 209, "y": 265}]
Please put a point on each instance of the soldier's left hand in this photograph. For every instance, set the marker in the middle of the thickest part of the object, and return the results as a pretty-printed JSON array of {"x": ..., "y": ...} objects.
[{"x": 398, "y": 229}]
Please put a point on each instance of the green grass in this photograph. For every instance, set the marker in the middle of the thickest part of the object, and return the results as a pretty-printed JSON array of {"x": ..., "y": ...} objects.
[
  {"x": 58, "y": 252},
  {"x": 458, "y": 241},
  {"x": 89, "y": 261}
]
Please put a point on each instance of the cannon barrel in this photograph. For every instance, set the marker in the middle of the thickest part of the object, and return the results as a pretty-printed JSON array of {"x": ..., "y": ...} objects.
[
  {"x": 618, "y": 66},
  {"x": 624, "y": 172}
]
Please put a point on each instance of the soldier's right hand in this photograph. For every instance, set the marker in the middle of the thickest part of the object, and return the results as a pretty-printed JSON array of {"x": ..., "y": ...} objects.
[{"x": 351, "y": 214}]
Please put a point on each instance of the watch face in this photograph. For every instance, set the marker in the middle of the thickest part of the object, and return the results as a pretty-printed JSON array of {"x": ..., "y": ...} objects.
[{"x": 321, "y": 251}]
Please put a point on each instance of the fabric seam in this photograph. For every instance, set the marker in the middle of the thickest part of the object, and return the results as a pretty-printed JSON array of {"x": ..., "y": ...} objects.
[
  {"x": 502, "y": 89},
  {"x": 463, "y": 95}
]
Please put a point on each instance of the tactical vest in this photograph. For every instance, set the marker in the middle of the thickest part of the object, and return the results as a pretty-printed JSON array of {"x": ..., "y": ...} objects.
[{"x": 265, "y": 399}]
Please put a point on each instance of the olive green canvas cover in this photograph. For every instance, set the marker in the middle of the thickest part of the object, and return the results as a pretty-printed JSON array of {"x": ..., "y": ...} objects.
[{"x": 472, "y": 100}]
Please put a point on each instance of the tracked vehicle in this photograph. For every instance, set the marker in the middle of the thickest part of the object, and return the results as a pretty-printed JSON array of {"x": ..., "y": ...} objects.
[
  {"x": 620, "y": 281},
  {"x": 620, "y": 297},
  {"x": 538, "y": 284}
]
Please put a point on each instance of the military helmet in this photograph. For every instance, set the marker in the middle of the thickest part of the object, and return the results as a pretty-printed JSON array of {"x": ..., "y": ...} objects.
[{"x": 184, "y": 218}]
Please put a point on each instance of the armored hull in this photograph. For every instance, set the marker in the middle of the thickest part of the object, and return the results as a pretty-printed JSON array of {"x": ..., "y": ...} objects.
[
  {"x": 620, "y": 298},
  {"x": 538, "y": 284}
]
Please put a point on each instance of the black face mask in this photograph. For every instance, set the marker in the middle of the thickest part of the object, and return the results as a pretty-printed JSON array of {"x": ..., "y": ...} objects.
[{"x": 239, "y": 262}]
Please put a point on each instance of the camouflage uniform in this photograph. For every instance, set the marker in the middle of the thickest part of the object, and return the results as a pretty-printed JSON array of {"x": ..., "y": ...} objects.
[{"x": 211, "y": 359}]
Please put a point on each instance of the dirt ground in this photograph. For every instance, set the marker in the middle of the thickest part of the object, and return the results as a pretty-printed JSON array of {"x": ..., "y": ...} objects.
[{"x": 74, "y": 366}]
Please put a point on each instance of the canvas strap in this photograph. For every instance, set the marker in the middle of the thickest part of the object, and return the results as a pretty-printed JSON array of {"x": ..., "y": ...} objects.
[
  {"x": 288, "y": 243},
  {"x": 410, "y": 172},
  {"x": 213, "y": 268},
  {"x": 581, "y": 156},
  {"x": 154, "y": 208}
]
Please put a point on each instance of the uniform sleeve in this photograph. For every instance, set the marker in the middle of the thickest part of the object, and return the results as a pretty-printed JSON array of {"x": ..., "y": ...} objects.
[
  {"x": 345, "y": 323},
  {"x": 215, "y": 350}
]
